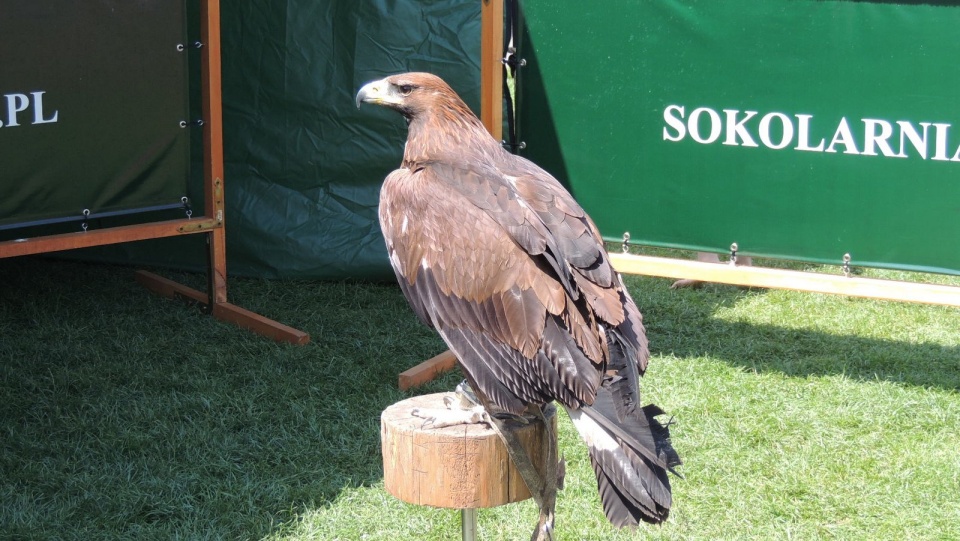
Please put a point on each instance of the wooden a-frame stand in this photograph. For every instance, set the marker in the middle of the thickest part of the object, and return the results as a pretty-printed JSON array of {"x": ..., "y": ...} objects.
[{"x": 211, "y": 223}]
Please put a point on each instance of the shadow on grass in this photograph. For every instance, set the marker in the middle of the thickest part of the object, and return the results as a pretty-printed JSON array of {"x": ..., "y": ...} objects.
[{"x": 124, "y": 415}]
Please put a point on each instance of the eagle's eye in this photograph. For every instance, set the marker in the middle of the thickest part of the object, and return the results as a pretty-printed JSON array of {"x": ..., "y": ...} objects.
[{"x": 405, "y": 90}]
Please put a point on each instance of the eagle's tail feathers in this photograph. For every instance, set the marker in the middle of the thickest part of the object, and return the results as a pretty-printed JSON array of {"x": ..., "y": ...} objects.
[{"x": 631, "y": 467}]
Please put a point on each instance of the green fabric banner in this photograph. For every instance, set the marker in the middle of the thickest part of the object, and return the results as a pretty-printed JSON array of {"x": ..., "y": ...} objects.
[
  {"x": 92, "y": 95},
  {"x": 798, "y": 129}
]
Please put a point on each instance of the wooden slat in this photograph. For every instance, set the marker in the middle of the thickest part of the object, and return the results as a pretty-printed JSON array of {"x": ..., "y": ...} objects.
[
  {"x": 223, "y": 311},
  {"x": 491, "y": 67},
  {"x": 168, "y": 288},
  {"x": 786, "y": 279},
  {"x": 427, "y": 370},
  {"x": 231, "y": 313},
  {"x": 210, "y": 70},
  {"x": 100, "y": 237}
]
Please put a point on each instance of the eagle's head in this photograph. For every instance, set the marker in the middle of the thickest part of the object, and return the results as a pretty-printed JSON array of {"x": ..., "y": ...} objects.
[{"x": 410, "y": 94}]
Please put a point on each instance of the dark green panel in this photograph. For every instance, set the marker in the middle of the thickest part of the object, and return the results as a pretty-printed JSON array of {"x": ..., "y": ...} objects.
[
  {"x": 601, "y": 76},
  {"x": 91, "y": 98}
]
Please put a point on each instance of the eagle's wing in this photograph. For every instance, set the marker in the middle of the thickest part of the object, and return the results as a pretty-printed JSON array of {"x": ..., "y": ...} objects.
[{"x": 478, "y": 264}]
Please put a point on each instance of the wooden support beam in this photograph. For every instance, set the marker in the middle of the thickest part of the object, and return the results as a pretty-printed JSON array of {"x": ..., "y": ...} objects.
[
  {"x": 100, "y": 237},
  {"x": 223, "y": 311},
  {"x": 427, "y": 370},
  {"x": 245, "y": 319},
  {"x": 853, "y": 286},
  {"x": 212, "y": 96},
  {"x": 491, "y": 67}
]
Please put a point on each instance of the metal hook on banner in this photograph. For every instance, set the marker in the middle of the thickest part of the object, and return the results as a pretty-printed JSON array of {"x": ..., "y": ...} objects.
[
  {"x": 86, "y": 216},
  {"x": 846, "y": 265},
  {"x": 626, "y": 242},
  {"x": 733, "y": 254},
  {"x": 186, "y": 206},
  {"x": 196, "y": 45}
]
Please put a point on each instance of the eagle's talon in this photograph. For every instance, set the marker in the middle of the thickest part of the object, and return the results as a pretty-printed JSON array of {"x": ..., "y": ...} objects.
[{"x": 441, "y": 418}]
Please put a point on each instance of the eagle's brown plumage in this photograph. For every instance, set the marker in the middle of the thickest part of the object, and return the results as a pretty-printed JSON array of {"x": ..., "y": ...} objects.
[{"x": 493, "y": 253}]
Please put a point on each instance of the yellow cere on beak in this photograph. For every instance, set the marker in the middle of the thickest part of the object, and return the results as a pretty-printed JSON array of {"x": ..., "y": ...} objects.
[{"x": 373, "y": 92}]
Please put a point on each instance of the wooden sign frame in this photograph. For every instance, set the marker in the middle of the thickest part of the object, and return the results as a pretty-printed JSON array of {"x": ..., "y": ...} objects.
[{"x": 211, "y": 223}]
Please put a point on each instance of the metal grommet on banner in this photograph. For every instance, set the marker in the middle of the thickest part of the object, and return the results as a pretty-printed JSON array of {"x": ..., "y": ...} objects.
[
  {"x": 186, "y": 206},
  {"x": 733, "y": 253},
  {"x": 846, "y": 265},
  {"x": 86, "y": 216},
  {"x": 180, "y": 47},
  {"x": 626, "y": 242}
]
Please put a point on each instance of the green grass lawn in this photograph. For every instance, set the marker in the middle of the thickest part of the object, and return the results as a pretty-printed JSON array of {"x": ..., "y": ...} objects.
[{"x": 128, "y": 416}]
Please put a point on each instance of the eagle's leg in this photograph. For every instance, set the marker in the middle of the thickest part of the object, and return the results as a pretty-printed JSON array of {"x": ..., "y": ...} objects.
[
  {"x": 549, "y": 466},
  {"x": 542, "y": 482}
]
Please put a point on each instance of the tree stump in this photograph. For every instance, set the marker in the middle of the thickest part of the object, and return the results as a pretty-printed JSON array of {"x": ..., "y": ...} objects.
[{"x": 459, "y": 467}]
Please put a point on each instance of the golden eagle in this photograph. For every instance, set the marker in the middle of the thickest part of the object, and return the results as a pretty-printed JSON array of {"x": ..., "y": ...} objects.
[{"x": 494, "y": 254}]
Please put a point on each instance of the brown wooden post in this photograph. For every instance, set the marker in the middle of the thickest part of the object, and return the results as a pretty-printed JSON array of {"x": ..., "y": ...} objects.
[
  {"x": 491, "y": 67},
  {"x": 213, "y": 147}
]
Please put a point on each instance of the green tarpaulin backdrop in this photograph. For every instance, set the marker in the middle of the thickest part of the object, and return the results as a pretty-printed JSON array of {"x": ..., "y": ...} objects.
[
  {"x": 799, "y": 129},
  {"x": 303, "y": 165},
  {"x": 796, "y": 128}
]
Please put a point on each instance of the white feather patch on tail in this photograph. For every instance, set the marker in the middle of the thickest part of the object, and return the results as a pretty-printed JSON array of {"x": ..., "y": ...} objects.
[{"x": 591, "y": 431}]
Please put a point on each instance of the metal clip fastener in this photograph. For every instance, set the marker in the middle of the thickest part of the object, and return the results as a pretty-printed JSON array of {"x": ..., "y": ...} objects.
[
  {"x": 733, "y": 254},
  {"x": 86, "y": 216},
  {"x": 626, "y": 242},
  {"x": 846, "y": 265},
  {"x": 511, "y": 60}
]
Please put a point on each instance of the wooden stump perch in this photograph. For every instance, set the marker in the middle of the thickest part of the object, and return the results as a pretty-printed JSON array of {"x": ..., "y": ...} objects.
[{"x": 460, "y": 467}]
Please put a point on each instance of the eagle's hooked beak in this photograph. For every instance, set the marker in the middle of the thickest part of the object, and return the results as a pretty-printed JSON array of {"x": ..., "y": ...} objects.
[{"x": 378, "y": 92}]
